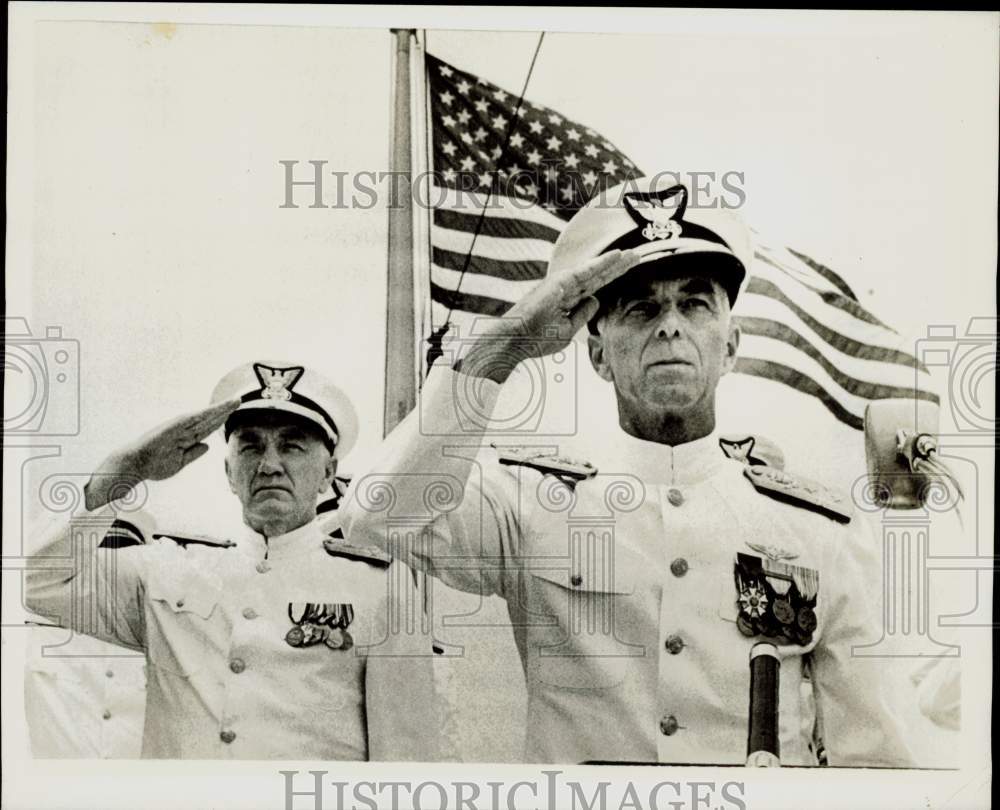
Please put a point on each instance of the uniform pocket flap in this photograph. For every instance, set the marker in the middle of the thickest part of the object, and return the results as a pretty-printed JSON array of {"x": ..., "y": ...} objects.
[{"x": 199, "y": 601}]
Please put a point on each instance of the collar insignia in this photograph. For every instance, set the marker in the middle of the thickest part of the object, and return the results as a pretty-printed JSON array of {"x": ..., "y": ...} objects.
[
  {"x": 277, "y": 383},
  {"x": 740, "y": 450},
  {"x": 658, "y": 212}
]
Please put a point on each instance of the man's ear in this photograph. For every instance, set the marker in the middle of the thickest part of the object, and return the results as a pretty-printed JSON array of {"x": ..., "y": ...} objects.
[
  {"x": 732, "y": 345},
  {"x": 329, "y": 473},
  {"x": 598, "y": 357},
  {"x": 229, "y": 476}
]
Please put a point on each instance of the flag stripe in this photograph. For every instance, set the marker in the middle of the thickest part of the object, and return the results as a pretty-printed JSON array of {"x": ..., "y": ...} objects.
[
  {"x": 479, "y": 304},
  {"x": 848, "y": 305},
  {"x": 800, "y": 382},
  {"x": 841, "y": 342},
  {"x": 503, "y": 227},
  {"x": 503, "y": 289},
  {"x": 826, "y": 272},
  {"x": 860, "y": 388},
  {"x": 491, "y": 247},
  {"x": 760, "y": 306},
  {"x": 481, "y": 265}
]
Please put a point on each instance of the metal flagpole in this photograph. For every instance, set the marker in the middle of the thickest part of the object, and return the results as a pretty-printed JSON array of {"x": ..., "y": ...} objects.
[{"x": 400, "y": 327}]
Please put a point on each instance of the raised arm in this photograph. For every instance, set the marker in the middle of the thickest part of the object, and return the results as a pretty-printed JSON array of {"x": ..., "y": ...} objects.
[
  {"x": 428, "y": 499},
  {"x": 87, "y": 574}
]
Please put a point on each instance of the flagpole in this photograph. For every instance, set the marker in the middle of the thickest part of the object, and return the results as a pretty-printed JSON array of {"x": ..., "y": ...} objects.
[{"x": 400, "y": 326}]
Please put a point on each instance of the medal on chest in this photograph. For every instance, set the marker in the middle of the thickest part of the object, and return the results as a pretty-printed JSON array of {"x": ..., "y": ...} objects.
[
  {"x": 320, "y": 622},
  {"x": 775, "y": 598}
]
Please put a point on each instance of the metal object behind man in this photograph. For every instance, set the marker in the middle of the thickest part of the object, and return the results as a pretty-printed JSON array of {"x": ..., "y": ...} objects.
[
  {"x": 638, "y": 578},
  {"x": 282, "y": 642}
]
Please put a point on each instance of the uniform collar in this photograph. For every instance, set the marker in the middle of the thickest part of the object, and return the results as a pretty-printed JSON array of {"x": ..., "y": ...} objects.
[
  {"x": 655, "y": 463},
  {"x": 307, "y": 537}
]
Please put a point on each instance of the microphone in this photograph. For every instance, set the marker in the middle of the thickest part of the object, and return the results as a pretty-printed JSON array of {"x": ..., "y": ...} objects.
[{"x": 762, "y": 735}]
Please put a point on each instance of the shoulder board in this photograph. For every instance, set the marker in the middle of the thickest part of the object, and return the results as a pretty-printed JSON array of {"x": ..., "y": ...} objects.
[
  {"x": 799, "y": 491},
  {"x": 186, "y": 539},
  {"x": 337, "y": 546},
  {"x": 546, "y": 462}
]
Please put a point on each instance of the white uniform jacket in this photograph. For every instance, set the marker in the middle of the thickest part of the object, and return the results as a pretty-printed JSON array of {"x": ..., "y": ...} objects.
[
  {"x": 625, "y": 588},
  {"x": 256, "y": 648}
]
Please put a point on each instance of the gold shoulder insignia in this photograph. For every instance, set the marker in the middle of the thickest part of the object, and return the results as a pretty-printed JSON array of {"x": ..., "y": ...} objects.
[
  {"x": 546, "y": 463},
  {"x": 186, "y": 539},
  {"x": 798, "y": 491},
  {"x": 337, "y": 546}
]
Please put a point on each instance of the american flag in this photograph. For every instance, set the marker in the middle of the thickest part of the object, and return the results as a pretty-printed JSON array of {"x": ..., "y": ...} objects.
[{"x": 507, "y": 176}]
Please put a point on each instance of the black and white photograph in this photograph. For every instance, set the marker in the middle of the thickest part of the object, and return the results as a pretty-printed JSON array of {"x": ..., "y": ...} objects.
[{"x": 498, "y": 407}]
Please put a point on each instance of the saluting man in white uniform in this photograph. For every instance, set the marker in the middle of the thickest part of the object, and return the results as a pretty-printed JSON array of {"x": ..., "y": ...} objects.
[
  {"x": 281, "y": 642},
  {"x": 638, "y": 577}
]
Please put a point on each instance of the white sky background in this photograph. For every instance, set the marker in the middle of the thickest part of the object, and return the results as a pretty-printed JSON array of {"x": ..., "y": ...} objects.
[{"x": 146, "y": 220}]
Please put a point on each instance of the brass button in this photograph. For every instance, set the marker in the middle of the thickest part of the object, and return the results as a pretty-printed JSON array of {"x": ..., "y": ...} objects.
[
  {"x": 249, "y": 613},
  {"x": 179, "y": 603},
  {"x": 674, "y": 644},
  {"x": 107, "y": 714},
  {"x": 675, "y": 496},
  {"x": 227, "y": 736},
  {"x": 668, "y": 725},
  {"x": 109, "y": 674},
  {"x": 679, "y": 567},
  {"x": 576, "y": 580},
  {"x": 263, "y": 567},
  {"x": 237, "y": 665}
]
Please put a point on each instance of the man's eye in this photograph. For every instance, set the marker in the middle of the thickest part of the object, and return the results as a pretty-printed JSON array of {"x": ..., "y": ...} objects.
[
  {"x": 642, "y": 309},
  {"x": 294, "y": 446},
  {"x": 696, "y": 303},
  {"x": 248, "y": 448}
]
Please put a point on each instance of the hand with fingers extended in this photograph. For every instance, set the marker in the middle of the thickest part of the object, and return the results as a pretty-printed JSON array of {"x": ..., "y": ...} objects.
[
  {"x": 159, "y": 454},
  {"x": 545, "y": 320}
]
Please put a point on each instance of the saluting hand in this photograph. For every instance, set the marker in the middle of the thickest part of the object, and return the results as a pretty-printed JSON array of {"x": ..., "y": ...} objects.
[
  {"x": 157, "y": 455},
  {"x": 545, "y": 320}
]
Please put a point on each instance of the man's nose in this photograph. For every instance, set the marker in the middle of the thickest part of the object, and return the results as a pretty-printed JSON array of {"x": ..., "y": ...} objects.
[
  {"x": 270, "y": 461},
  {"x": 669, "y": 323}
]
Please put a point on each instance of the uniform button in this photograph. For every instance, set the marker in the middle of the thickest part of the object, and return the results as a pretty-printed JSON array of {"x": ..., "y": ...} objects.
[
  {"x": 109, "y": 674},
  {"x": 668, "y": 725},
  {"x": 237, "y": 665},
  {"x": 263, "y": 567},
  {"x": 675, "y": 496},
  {"x": 179, "y": 603},
  {"x": 576, "y": 580},
  {"x": 227, "y": 736},
  {"x": 249, "y": 613},
  {"x": 674, "y": 644},
  {"x": 679, "y": 567},
  {"x": 107, "y": 714}
]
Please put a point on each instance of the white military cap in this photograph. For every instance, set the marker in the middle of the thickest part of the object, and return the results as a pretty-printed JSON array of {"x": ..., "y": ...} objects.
[
  {"x": 658, "y": 223},
  {"x": 296, "y": 389}
]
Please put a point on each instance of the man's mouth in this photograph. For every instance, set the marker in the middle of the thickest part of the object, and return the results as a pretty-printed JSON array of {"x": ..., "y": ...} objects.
[{"x": 271, "y": 488}]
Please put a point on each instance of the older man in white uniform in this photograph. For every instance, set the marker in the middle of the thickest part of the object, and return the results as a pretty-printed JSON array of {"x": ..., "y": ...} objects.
[
  {"x": 282, "y": 641},
  {"x": 638, "y": 577}
]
